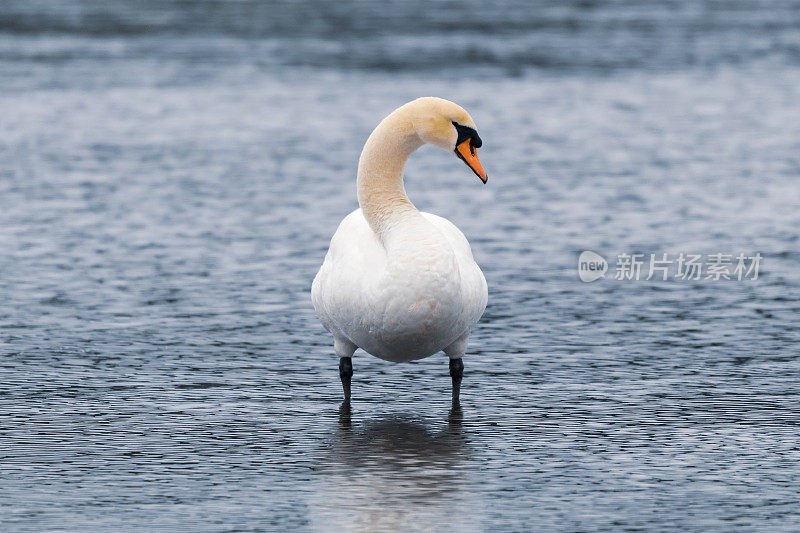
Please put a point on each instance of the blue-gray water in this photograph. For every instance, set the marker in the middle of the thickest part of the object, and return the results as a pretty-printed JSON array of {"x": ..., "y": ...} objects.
[{"x": 171, "y": 172}]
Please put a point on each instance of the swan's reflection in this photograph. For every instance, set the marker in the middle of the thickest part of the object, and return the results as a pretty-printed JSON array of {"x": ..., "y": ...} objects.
[{"x": 394, "y": 473}]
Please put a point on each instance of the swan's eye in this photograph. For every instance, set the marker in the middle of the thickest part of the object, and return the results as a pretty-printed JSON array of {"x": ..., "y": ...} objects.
[{"x": 464, "y": 133}]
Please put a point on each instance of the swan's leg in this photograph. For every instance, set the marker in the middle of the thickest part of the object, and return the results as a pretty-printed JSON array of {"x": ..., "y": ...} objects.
[
  {"x": 345, "y": 373},
  {"x": 456, "y": 372},
  {"x": 455, "y": 352},
  {"x": 344, "y": 349}
]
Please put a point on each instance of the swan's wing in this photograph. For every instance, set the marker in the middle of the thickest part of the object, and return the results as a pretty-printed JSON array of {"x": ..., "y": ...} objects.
[
  {"x": 473, "y": 283},
  {"x": 353, "y": 263},
  {"x": 454, "y": 236}
]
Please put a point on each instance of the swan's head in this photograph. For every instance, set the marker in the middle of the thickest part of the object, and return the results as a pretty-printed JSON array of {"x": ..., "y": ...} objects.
[{"x": 446, "y": 125}]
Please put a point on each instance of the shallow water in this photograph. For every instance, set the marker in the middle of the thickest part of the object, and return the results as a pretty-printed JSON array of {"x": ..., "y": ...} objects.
[{"x": 170, "y": 176}]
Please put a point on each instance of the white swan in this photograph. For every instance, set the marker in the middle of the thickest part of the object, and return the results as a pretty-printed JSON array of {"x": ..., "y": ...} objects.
[{"x": 398, "y": 283}]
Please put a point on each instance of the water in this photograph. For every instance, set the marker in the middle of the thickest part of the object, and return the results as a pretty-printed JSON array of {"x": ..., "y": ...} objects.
[{"x": 171, "y": 173}]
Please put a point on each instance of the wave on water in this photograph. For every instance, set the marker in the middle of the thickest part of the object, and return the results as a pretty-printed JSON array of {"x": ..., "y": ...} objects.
[{"x": 414, "y": 35}]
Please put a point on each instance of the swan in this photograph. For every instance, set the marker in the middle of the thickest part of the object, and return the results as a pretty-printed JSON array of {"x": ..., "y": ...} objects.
[{"x": 399, "y": 283}]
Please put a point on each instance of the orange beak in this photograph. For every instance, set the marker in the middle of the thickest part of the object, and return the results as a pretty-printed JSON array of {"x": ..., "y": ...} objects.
[{"x": 466, "y": 152}]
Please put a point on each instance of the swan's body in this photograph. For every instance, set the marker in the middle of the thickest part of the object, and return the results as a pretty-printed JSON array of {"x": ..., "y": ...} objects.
[
  {"x": 398, "y": 283},
  {"x": 418, "y": 296}
]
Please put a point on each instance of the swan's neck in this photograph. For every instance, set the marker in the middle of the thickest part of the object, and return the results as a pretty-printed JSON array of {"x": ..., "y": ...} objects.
[{"x": 381, "y": 194}]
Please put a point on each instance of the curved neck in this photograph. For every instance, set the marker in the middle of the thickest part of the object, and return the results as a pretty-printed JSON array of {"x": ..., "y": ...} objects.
[{"x": 381, "y": 194}]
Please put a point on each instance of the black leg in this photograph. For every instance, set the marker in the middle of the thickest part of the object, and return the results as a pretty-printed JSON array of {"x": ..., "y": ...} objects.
[
  {"x": 345, "y": 373},
  {"x": 456, "y": 372}
]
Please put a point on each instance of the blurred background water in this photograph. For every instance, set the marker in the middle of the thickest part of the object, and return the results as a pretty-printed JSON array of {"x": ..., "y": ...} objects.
[{"x": 171, "y": 173}]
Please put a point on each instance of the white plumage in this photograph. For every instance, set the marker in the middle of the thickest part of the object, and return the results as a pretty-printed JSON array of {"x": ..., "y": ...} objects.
[
  {"x": 399, "y": 283},
  {"x": 419, "y": 295}
]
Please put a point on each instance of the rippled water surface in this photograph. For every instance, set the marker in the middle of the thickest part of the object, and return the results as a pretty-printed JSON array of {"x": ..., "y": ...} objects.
[{"x": 171, "y": 173}]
